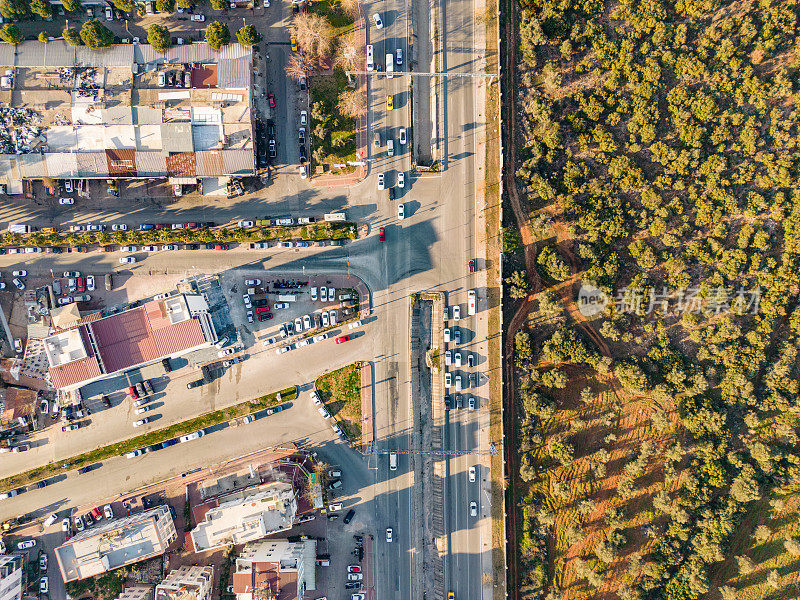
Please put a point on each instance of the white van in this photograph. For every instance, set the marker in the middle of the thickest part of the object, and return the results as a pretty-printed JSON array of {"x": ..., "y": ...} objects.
[
  {"x": 393, "y": 461},
  {"x": 389, "y": 66},
  {"x": 50, "y": 520},
  {"x": 390, "y": 147},
  {"x": 370, "y": 57}
]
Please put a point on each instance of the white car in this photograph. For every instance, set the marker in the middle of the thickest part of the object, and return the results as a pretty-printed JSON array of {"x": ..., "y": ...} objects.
[
  {"x": 282, "y": 349},
  {"x": 472, "y": 474},
  {"x": 252, "y": 282},
  {"x": 402, "y": 138},
  {"x": 68, "y": 186},
  {"x": 21, "y": 273},
  {"x": 332, "y": 315},
  {"x": 246, "y": 223},
  {"x": 79, "y": 525},
  {"x": 18, "y": 283},
  {"x": 457, "y": 359},
  {"x": 177, "y": 189},
  {"x": 66, "y": 524},
  {"x": 192, "y": 436},
  {"x": 307, "y": 322},
  {"x": 389, "y": 534},
  {"x": 355, "y": 325},
  {"x": 314, "y": 294},
  {"x": 304, "y": 117},
  {"x": 128, "y": 249},
  {"x": 456, "y": 312},
  {"x": 25, "y": 544},
  {"x": 176, "y": 226},
  {"x": 144, "y": 409},
  {"x": 401, "y": 211},
  {"x": 119, "y": 227},
  {"x": 109, "y": 14},
  {"x": 298, "y": 325},
  {"x": 473, "y": 509},
  {"x": 90, "y": 283},
  {"x": 141, "y": 422},
  {"x": 401, "y": 179},
  {"x": 448, "y": 358},
  {"x": 378, "y": 23},
  {"x": 149, "y": 248},
  {"x": 448, "y": 380},
  {"x": 125, "y": 260},
  {"x": 64, "y": 300},
  {"x": 320, "y": 337},
  {"x": 226, "y": 352},
  {"x": 199, "y": 18},
  {"x": 133, "y": 453},
  {"x": 323, "y": 294},
  {"x": 447, "y": 334},
  {"x": 381, "y": 181},
  {"x": 280, "y": 305},
  {"x": 355, "y": 576},
  {"x": 108, "y": 512},
  {"x": 66, "y": 201},
  {"x": 325, "y": 414}
]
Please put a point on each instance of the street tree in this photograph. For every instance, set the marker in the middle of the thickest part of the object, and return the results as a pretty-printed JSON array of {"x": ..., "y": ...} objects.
[
  {"x": 10, "y": 33},
  {"x": 219, "y": 4},
  {"x": 352, "y": 103},
  {"x": 72, "y": 36},
  {"x": 248, "y": 36},
  {"x": 158, "y": 37},
  {"x": 72, "y": 5},
  {"x": 217, "y": 35},
  {"x": 96, "y": 35},
  {"x": 15, "y": 10},
  {"x": 187, "y": 3},
  {"x": 314, "y": 35},
  {"x": 44, "y": 37},
  {"x": 165, "y": 6},
  {"x": 125, "y": 5},
  {"x": 42, "y": 8}
]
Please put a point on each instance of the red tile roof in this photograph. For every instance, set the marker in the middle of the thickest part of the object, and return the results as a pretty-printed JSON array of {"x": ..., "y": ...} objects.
[
  {"x": 124, "y": 340},
  {"x": 75, "y": 372}
]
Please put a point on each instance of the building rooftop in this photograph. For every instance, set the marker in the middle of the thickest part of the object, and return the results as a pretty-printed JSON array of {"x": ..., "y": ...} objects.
[
  {"x": 114, "y": 543},
  {"x": 140, "y": 335},
  {"x": 244, "y": 516}
]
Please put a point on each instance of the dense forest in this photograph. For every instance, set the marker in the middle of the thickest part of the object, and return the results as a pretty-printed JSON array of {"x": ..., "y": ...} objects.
[{"x": 659, "y": 156}]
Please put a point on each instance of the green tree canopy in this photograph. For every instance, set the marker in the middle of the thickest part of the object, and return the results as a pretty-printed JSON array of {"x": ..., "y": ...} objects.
[
  {"x": 96, "y": 35},
  {"x": 15, "y": 9},
  {"x": 248, "y": 36},
  {"x": 187, "y": 3},
  {"x": 165, "y": 6},
  {"x": 72, "y": 36},
  {"x": 72, "y": 5},
  {"x": 44, "y": 37},
  {"x": 10, "y": 33},
  {"x": 158, "y": 37},
  {"x": 217, "y": 35},
  {"x": 219, "y": 4},
  {"x": 125, "y": 5},
  {"x": 42, "y": 8}
]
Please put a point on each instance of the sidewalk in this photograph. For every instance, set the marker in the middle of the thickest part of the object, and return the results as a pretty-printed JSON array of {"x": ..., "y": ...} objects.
[{"x": 367, "y": 407}]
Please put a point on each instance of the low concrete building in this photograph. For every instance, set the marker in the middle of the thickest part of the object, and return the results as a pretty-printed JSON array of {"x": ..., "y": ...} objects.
[
  {"x": 115, "y": 543},
  {"x": 244, "y": 516},
  {"x": 137, "y": 592},
  {"x": 275, "y": 570},
  {"x": 186, "y": 583},
  {"x": 10, "y": 577}
]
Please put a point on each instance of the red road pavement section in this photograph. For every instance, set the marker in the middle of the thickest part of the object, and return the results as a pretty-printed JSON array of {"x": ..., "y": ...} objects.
[{"x": 367, "y": 425}]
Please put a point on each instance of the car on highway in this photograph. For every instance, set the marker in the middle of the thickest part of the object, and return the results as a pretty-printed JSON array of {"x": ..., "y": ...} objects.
[
  {"x": 401, "y": 211},
  {"x": 390, "y": 102},
  {"x": 402, "y": 138},
  {"x": 342, "y": 339},
  {"x": 377, "y": 18},
  {"x": 472, "y": 474},
  {"x": 389, "y": 534},
  {"x": 304, "y": 117},
  {"x": 141, "y": 422},
  {"x": 401, "y": 179},
  {"x": 126, "y": 260},
  {"x": 66, "y": 201},
  {"x": 381, "y": 181},
  {"x": 358, "y": 596},
  {"x": 370, "y": 57},
  {"x": 293, "y": 42},
  {"x": 381, "y": 234},
  {"x": 25, "y": 544},
  {"x": 390, "y": 147},
  {"x": 196, "y": 435},
  {"x": 473, "y": 509},
  {"x": 133, "y": 453}
]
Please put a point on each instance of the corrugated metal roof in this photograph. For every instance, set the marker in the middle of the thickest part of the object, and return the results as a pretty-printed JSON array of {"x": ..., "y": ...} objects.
[
  {"x": 238, "y": 162},
  {"x": 177, "y": 137},
  {"x": 150, "y": 164},
  {"x": 209, "y": 163},
  {"x": 188, "y": 53},
  {"x": 181, "y": 165},
  {"x": 7, "y": 170},
  {"x": 7, "y": 55},
  {"x": 90, "y": 164},
  {"x": 121, "y": 162},
  {"x": 118, "y": 55},
  {"x": 61, "y": 165},
  {"x": 31, "y": 166},
  {"x": 235, "y": 50},
  {"x": 53, "y": 54},
  {"x": 234, "y": 73},
  {"x": 147, "y": 115}
]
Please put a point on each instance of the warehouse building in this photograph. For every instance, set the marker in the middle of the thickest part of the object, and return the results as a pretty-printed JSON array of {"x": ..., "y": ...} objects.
[{"x": 125, "y": 112}]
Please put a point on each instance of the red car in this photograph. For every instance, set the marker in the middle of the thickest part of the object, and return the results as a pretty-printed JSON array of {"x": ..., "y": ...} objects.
[
  {"x": 190, "y": 225},
  {"x": 271, "y": 98},
  {"x": 381, "y": 234},
  {"x": 96, "y": 514},
  {"x": 81, "y": 284},
  {"x": 221, "y": 246},
  {"x": 162, "y": 226},
  {"x": 264, "y": 317},
  {"x": 262, "y": 309},
  {"x": 342, "y": 339},
  {"x": 133, "y": 393},
  {"x": 472, "y": 265}
]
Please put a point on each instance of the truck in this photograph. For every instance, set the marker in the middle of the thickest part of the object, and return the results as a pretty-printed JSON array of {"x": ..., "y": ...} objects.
[
  {"x": 286, "y": 297},
  {"x": 471, "y": 304},
  {"x": 335, "y": 217},
  {"x": 389, "y": 65},
  {"x": 20, "y": 228}
]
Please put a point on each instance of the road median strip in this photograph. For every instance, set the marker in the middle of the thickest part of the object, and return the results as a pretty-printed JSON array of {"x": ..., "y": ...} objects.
[{"x": 147, "y": 439}]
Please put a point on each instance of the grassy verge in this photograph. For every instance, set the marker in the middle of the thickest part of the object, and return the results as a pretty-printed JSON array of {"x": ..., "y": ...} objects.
[
  {"x": 336, "y": 16},
  {"x": 149, "y": 438},
  {"x": 340, "y": 391},
  {"x": 334, "y": 133}
]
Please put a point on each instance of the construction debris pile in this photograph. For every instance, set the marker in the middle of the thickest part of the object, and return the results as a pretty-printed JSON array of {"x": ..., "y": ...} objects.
[{"x": 20, "y": 131}]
